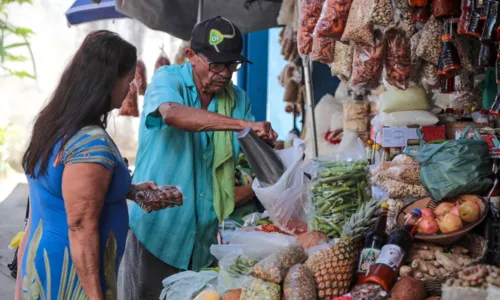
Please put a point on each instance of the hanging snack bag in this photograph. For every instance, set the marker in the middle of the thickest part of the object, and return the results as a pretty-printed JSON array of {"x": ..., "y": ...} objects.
[
  {"x": 463, "y": 22},
  {"x": 333, "y": 18},
  {"x": 140, "y": 77},
  {"x": 162, "y": 60},
  {"x": 323, "y": 49},
  {"x": 398, "y": 58},
  {"x": 487, "y": 56},
  {"x": 129, "y": 105},
  {"x": 490, "y": 27},
  {"x": 405, "y": 13},
  {"x": 445, "y": 8},
  {"x": 429, "y": 78},
  {"x": 310, "y": 11},
  {"x": 382, "y": 13},
  {"x": 430, "y": 47},
  {"x": 342, "y": 60},
  {"x": 368, "y": 64},
  {"x": 358, "y": 28},
  {"x": 421, "y": 14}
]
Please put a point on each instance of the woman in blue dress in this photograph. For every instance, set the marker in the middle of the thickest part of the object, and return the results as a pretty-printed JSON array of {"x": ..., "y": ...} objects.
[{"x": 78, "y": 180}]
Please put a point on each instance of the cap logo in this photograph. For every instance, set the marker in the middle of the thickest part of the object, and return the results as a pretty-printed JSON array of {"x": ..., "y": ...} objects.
[{"x": 216, "y": 37}]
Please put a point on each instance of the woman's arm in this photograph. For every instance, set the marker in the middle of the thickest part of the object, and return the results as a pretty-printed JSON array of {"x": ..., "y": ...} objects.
[
  {"x": 20, "y": 256},
  {"x": 84, "y": 188}
]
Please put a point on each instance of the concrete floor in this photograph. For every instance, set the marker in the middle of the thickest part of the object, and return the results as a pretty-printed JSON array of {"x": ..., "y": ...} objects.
[{"x": 12, "y": 211}]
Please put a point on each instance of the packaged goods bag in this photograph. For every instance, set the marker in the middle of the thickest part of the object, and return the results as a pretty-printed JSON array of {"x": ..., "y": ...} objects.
[{"x": 455, "y": 167}]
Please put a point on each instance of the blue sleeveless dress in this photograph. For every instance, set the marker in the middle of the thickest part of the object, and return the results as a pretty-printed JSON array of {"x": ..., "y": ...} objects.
[{"x": 47, "y": 268}]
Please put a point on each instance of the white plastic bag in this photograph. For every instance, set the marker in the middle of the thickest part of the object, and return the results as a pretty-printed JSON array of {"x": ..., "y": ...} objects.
[
  {"x": 413, "y": 98},
  {"x": 251, "y": 245},
  {"x": 284, "y": 199},
  {"x": 411, "y": 117},
  {"x": 188, "y": 284}
]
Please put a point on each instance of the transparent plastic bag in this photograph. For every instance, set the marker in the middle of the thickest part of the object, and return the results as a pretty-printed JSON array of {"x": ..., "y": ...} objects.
[
  {"x": 323, "y": 49},
  {"x": 428, "y": 76},
  {"x": 164, "y": 197},
  {"x": 162, "y": 60},
  {"x": 140, "y": 77},
  {"x": 233, "y": 272},
  {"x": 398, "y": 58},
  {"x": 310, "y": 11},
  {"x": 368, "y": 64},
  {"x": 188, "y": 284},
  {"x": 284, "y": 200},
  {"x": 406, "y": 174},
  {"x": 130, "y": 106},
  {"x": 339, "y": 185},
  {"x": 275, "y": 267},
  {"x": 397, "y": 189},
  {"x": 355, "y": 109},
  {"x": 333, "y": 18},
  {"x": 299, "y": 284},
  {"x": 342, "y": 60},
  {"x": 382, "y": 13},
  {"x": 358, "y": 28},
  {"x": 258, "y": 290},
  {"x": 430, "y": 45}
]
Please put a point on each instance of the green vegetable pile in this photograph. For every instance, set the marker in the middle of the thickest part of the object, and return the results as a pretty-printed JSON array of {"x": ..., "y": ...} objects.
[
  {"x": 241, "y": 267},
  {"x": 339, "y": 190}
]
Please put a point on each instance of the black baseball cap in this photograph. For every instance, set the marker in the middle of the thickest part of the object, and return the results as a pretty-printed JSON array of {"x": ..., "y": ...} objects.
[{"x": 219, "y": 40}]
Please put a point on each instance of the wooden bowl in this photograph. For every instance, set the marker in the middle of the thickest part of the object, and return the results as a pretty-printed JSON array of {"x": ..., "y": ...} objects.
[{"x": 443, "y": 238}]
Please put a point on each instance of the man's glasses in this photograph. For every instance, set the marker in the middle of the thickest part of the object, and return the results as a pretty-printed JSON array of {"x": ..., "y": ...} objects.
[{"x": 219, "y": 67}]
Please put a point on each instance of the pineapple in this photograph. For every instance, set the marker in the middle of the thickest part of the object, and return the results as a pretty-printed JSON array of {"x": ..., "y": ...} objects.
[{"x": 333, "y": 268}]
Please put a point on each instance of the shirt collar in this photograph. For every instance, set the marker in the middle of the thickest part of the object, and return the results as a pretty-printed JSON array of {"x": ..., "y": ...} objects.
[{"x": 187, "y": 74}]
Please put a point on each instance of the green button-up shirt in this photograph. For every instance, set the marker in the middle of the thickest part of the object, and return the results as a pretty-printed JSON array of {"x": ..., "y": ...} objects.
[{"x": 168, "y": 155}]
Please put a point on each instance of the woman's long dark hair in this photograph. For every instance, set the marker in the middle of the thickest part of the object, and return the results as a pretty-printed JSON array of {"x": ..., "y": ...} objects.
[{"x": 82, "y": 97}]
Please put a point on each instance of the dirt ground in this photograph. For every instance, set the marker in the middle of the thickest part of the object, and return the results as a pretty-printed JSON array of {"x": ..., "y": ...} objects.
[{"x": 12, "y": 211}]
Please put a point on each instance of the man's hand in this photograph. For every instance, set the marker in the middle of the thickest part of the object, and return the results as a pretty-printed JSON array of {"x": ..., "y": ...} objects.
[
  {"x": 139, "y": 187},
  {"x": 264, "y": 131}
]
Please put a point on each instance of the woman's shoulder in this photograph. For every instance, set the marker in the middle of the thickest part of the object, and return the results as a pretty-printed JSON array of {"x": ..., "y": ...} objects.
[{"x": 90, "y": 144}]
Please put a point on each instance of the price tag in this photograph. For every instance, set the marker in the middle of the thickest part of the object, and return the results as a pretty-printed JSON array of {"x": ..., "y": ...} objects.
[{"x": 394, "y": 137}]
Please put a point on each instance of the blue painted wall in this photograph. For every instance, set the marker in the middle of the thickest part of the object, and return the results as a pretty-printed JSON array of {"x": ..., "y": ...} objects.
[{"x": 252, "y": 77}]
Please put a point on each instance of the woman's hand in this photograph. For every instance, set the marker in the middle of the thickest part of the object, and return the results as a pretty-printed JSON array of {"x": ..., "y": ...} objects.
[{"x": 148, "y": 185}]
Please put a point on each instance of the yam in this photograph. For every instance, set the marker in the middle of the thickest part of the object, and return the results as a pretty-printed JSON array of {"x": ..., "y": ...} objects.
[{"x": 447, "y": 262}]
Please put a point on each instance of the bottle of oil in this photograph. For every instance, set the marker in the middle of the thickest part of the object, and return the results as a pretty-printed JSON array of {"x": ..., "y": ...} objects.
[
  {"x": 385, "y": 270},
  {"x": 374, "y": 241}
]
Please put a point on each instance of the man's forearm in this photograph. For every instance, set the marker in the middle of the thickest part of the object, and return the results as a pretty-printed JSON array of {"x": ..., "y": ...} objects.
[
  {"x": 243, "y": 194},
  {"x": 196, "y": 120},
  {"x": 84, "y": 245}
]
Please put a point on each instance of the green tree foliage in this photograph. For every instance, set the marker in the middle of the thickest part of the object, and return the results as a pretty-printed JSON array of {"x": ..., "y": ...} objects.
[{"x": 18, "y": 37}]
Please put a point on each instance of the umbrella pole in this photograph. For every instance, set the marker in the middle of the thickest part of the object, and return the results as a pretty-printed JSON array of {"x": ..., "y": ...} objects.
[
  {"x": 310, "y": 99},
  {"x": 200, "y": 10}
]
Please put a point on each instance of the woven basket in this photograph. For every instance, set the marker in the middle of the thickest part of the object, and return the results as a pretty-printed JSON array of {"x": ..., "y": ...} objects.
[
  {"x": 442, "y": 238},
  {"x": 477, "y": 246}
]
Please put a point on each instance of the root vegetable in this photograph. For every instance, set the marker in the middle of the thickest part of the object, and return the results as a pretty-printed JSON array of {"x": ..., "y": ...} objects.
[
  {"x": 427, "y": 246},
  {"x": 462, "y": 259},
  {"x": 422, "y": 254},
  {"x": 418, "y": 264},
  {"x": 447, "y": 262},
  {"x": 457, "y": 249},
  {"x": 405, "y": 271}
]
